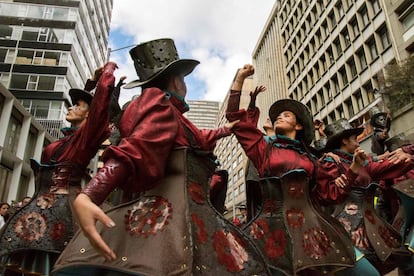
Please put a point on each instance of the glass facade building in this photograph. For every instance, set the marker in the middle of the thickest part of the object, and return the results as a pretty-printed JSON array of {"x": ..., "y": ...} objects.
[{"x": 48, "y": 47}]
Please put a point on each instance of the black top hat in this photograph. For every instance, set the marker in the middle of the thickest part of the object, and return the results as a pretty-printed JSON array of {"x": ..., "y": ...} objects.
[
  {"x": 374, "y": 113},
  {"x": 319, "y": 146},
  {"x": 302, "y": 113},
  {"x": 80, "y": 94},
  {"x": 155, "y": 58},
  {"x": 396, "y": 141},
  {"x": 338, "y": 130}
]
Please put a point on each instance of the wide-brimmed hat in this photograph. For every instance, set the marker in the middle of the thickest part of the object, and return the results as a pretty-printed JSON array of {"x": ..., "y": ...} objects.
[
  {"x": 374, "y": 113},
  {"x": 301, "y": 112},
  {"x": 396, "y": 141},
  {"x": 155, "y": 58},
  {"x": 338, "y": 130},
  {"x": 80, "y": 94}
]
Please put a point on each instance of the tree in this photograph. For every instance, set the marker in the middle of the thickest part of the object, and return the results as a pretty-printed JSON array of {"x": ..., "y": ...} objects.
[{"x": 398, "y": 84}]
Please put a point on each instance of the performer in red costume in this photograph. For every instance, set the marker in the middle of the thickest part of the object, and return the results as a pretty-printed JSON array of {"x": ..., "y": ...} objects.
[
  {"x": 293, "y": 235},
  {"x": 171, "y": 228},
  {"x": 370, "y": 233},
  {"x": 37, "y": 233}
]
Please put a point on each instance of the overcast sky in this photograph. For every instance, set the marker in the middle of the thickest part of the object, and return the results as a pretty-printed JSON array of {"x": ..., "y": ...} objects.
[{"x": 220, "y": 34}]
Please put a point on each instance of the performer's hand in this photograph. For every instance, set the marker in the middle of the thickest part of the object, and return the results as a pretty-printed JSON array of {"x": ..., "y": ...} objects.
[
  {"x": 398, "y": 156},
  {"x": 230, "y": 125},
  {"x": 341, "y": 181},
  {"x": 88, "y": 213},
  {"x": 257, "y": 90},
  {"x": 334, "y": 156},
  {"x": 358, "y": 161}
]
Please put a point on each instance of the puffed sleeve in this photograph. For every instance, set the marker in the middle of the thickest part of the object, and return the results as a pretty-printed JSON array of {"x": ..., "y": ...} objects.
[
  {"x": 326, "y": 191},
  {"x": 151, "y": 126},
  {"x": 249, "y": 137},
  {"x": 89, "y": 137}
]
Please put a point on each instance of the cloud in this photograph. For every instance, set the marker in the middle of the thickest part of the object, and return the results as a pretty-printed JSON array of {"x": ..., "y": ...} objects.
[{"x": 220, "y": 34}]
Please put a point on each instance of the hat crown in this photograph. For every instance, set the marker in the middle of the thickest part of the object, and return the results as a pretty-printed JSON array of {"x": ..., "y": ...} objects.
[
  {"x": 153, "y": 56},
  {"x": 337, "y": 127},
  {"x": 374, "y": 111}
]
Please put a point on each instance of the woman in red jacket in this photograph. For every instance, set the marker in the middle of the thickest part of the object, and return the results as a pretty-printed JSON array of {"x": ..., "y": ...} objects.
[{"x": 36, "y": 234}]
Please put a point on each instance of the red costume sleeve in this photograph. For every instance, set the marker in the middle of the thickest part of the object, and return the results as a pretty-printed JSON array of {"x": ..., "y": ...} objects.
[
  {"x": 151, "y": 127},
  {"x": 249, "y": 137},
  {"x": 326, "y": 191},
  {"x": 88, "y": 138},
  {"x": 386, "y": 170}
]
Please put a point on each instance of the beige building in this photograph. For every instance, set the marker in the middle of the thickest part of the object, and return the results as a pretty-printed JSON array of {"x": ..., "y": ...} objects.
[
  {"x": 330, "y": 54},
  {"x": 203, "y": 114},
  {"x": 21, "y": 138}
]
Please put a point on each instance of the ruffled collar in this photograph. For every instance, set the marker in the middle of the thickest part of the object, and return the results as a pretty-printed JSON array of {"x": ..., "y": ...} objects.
[{"x": 282, "y": 141}]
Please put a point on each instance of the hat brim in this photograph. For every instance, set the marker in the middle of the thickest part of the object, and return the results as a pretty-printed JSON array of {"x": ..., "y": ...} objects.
[
  {"x": 335, "y": 139},
  {"x": 302, "y": 114},
  {"x": 183, "y": 66},
  {"x": 80, "y": 94}
]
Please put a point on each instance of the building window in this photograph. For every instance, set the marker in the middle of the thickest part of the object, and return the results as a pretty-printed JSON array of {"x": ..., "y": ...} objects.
[
  {"x": 321, "y": 98},
  {"x": 362, "y": 59},
  {"x": 349, "y": 107},
  {"x": 385, "y": 41},
  {"x": 364, "y": 17},
  {"x": 330, "y": 55},
  {"x": 338, "y": 47},
  {"x": 332, "y": 20},
  {"x": 241, "y": 173},
  {"x": 352, "y": 68},
  {"x": 347, "y": 39},
  {"x": 13, "y": 132},
  {"x": 5, "y": 32},
  {"x": 344, "y": 77},
  {"x": 6, "y": 175},
  {"x": 375, "y": 6},
  {"x": 355, "y": 28},
  {"x": 240, "y": 158},
  {"x": 373, "y": 49}
]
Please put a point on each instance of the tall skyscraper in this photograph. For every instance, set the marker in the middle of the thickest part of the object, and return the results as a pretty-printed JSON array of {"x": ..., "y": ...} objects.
[
  {"x": 330, "y": 56},
  {"x": 203, "y": 114},
  {"x": 48, "y": 47}
]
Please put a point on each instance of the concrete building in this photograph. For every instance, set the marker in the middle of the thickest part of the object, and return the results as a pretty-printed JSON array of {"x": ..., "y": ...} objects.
[
  {"x": 48, "y": 47},
  {"x": 21, "y": 138},
  {"x": 203, "y": 114},
  {"x": 330, "y": 54}
]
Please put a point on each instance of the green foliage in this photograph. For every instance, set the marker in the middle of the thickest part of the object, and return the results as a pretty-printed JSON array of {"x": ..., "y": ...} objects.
[{"x": 399, "y": 84}]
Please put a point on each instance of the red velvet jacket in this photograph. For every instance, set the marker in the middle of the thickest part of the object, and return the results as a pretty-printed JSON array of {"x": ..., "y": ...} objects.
[
  {"x": 83, "y": 143},
  {"x": 282, "y": 156},
  {"x": 371, "y": 171},
  {"x": 152, "y": 126}
]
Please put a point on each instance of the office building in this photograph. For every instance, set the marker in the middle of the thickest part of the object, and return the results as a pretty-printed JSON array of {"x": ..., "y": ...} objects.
[
  {"x": 21, "y": 138},
  {"x": 330, "y": 55},
  {"x": 48, "y": 47},
  {"x": 203, "y": 114}
]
